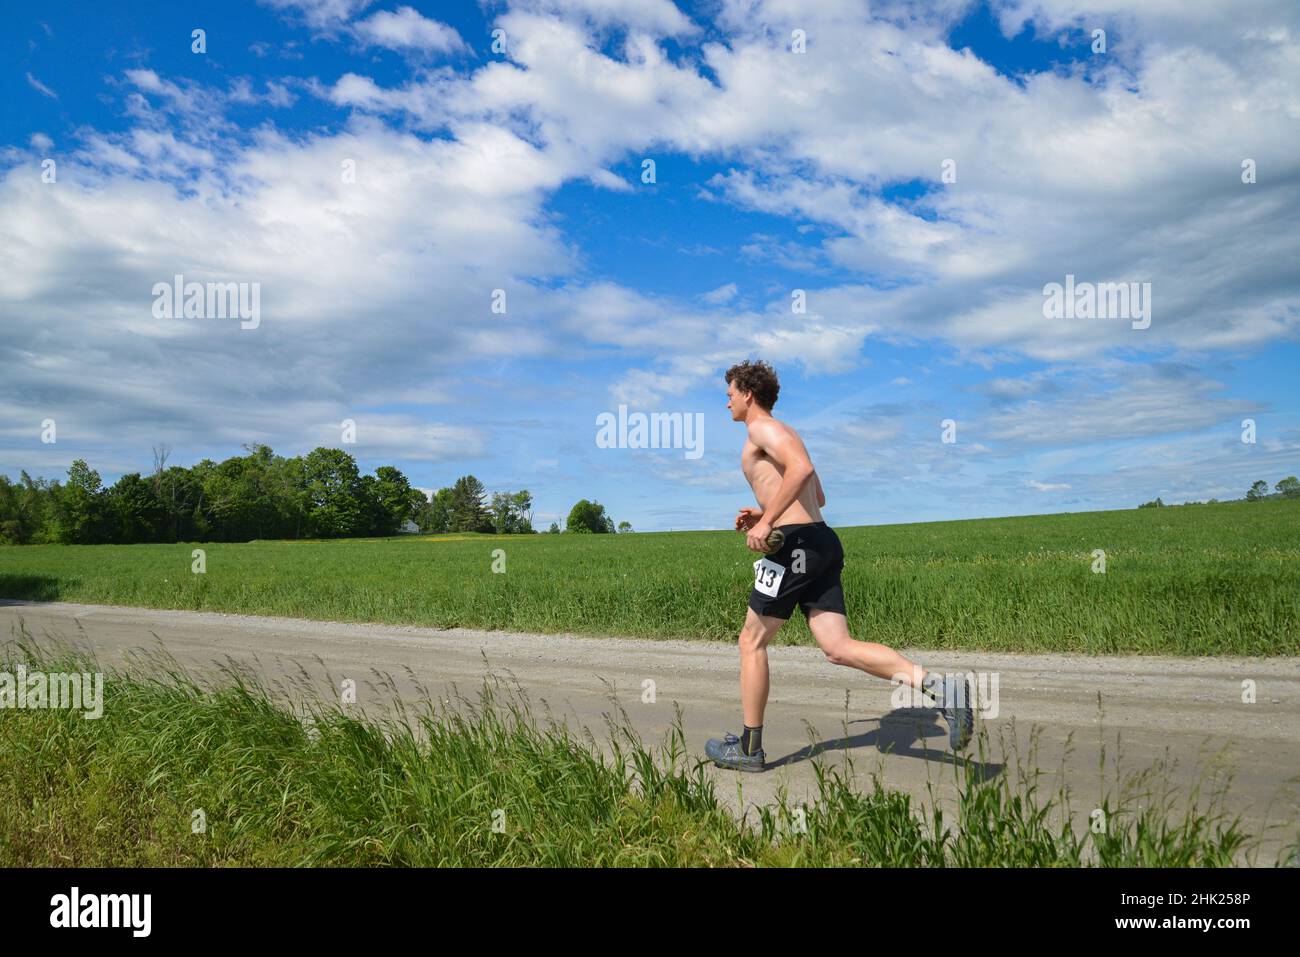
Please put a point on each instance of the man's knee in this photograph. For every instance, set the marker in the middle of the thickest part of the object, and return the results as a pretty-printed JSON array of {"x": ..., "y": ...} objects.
[
  {"x": 832, "y": 636},
  {"x": 837, "y": 652},
  {"x": 753, "y": 636}
]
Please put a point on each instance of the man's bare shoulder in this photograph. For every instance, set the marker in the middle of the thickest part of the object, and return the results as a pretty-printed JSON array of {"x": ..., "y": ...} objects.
[
  {"x": 765, "y": 431},
  {"x": 767, "y": 428}
]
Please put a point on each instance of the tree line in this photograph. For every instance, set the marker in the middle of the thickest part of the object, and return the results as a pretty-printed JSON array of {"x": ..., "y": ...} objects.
[
  {"x": 260, "y": 495},
  {"x": 465, "y": 507},
  {"x": 1288, "y": 487}
]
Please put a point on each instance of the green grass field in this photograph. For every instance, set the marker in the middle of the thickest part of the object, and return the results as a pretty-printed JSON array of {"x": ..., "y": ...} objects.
[
  {"x": 1197, "y": 580},
  {"x": 179, "y": 771}
]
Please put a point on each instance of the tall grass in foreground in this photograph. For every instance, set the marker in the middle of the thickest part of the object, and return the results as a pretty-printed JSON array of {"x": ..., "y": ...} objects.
[{"x": 425, "y": 786}]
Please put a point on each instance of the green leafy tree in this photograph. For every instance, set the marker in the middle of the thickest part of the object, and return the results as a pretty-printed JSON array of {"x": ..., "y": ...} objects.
[
  {"x": 624, "y": 527},
  {"x": 395, "y": 498},
  {"x": 201, "y": 517},
  {"x": 287, "y": 483},
  {"x": 37, "y": 506},
  {"x": 435, "y": 514},
  {"x": 178, "y": 491},
  {"x": 336, "y": 503},
  {"x": 1257, "y": 491},
  {"x": 554, "y": 529},
  {"x": 135, "y": 513},
  {"x": 374, "y": 520},
  {"x": 512, "y": 513},
  {"x": 28, "y": 512},
  {"x": 1289, "y": 486},
  {"x": 11, "y": 531},
  {"x": 82, "y": 507},
  {"x": 501, "y": 510},
  {"x": 241, "y": 498},
  {"x": 589, "y": 517},
  {"x": 523, "y": 511}
]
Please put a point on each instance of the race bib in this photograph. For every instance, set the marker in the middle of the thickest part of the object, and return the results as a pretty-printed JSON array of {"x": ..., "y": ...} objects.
[{"x": 767, "y": 577}]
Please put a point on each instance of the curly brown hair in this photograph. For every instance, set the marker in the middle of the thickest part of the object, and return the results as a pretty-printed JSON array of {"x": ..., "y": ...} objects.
[{"x": 757, "y": 377}]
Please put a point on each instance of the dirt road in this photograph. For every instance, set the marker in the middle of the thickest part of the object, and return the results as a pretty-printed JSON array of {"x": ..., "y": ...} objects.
[{"x": 1188, "y": 712}]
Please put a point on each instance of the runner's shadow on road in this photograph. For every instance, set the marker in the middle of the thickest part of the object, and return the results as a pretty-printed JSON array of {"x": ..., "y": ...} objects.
[{"x": 902, "y": 733}]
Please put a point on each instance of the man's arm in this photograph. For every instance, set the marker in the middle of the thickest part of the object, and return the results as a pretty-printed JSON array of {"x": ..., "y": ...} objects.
[
  {"x": 821, "y": 496},
  {"x": 786, "y": 450}
]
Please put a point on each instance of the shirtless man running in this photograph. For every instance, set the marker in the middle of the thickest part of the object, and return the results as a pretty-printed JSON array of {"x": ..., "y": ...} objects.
[{"x": 805, "y": 570}]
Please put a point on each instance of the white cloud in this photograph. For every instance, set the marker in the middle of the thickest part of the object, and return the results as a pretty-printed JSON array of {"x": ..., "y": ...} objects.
[
  {"x": 406, "y": 29},
  {"x": 41, "y": 87},
  {"x": 721, "y": 294},
  {"x": 1047, "y": 486},
  {"x": 611, "y": 181},
  {"x": 386, "y": 280},
  {"x": 277, "y": 94},
  {"x": 657, "y": 17},
  {"x": 1128, "y": 403},
  {"x": 321, "y": 14},
  {"x": 878, "y": 102}
]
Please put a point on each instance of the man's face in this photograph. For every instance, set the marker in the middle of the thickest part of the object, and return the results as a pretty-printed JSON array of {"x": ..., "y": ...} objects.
[{"x": 737, "y": 402}]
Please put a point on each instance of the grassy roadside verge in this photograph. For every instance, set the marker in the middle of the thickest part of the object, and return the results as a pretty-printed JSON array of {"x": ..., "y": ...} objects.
[{"x": 483, "y": 784}]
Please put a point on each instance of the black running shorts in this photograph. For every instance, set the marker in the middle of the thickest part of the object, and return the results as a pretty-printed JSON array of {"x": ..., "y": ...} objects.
[{"x": 805, "y": 571}]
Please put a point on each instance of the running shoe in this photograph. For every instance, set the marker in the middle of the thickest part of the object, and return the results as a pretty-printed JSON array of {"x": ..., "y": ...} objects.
[
  {"x": 958, "y": 710},
  {"x": 726, "y": 753}
]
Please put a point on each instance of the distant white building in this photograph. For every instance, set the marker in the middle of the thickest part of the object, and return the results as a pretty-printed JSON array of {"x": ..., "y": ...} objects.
[{"x": 409, "y": 528}]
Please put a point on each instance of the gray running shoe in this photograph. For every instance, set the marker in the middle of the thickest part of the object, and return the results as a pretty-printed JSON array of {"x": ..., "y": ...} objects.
[
  {"x": 726, "y": 753},
  {"x": 958, "y": 710}
]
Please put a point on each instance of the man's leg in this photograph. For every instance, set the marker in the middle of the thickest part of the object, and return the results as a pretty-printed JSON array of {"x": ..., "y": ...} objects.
[
  {"x": 754, "y": 637},
  {"x": 831, "y": 629},
  {"x": 745, "y": 753},
  {"x": 956, "y": 701}
]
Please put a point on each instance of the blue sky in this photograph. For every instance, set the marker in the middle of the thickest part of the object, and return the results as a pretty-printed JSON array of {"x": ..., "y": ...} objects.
[{"x": 776, "y": 171}]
